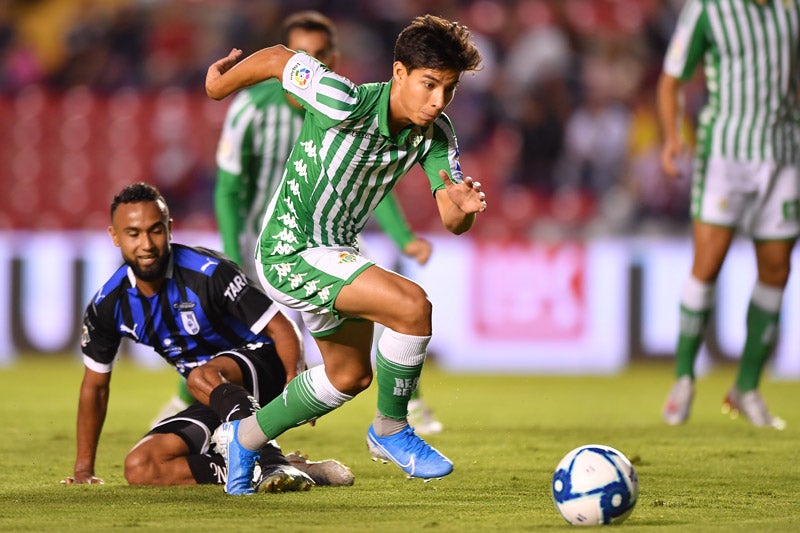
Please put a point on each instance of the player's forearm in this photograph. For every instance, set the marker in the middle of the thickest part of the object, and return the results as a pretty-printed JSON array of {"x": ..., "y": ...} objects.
[
  {"x": 262, "y": 65},
  {"x": 288, "y": 344},
  {"x": 92, "y": 408},
  {"x": 668, "y": 106}
]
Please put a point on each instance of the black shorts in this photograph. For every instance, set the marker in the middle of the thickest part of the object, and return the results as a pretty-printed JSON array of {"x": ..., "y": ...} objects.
[{"x": 263, "y": 375}]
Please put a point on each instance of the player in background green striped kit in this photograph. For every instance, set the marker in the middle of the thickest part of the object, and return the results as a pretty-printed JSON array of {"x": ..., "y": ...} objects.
[
  {"x": 357, "y": 142},
  {"x": 261, "y": 126},
  {"x": 745, "y": 175}
]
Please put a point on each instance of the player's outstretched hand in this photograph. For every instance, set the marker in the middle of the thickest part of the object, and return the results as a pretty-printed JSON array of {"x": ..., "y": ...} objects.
[
  {"x": 217, "y": 69},
  {"x": 467, "y": 195},
  {"x": 82, "y": 480},
  {"x": 419, "y": 250}
]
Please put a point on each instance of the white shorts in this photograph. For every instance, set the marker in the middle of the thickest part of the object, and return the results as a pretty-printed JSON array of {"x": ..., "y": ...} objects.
[
  {"x": 310, "y": 281},
  {"x": 761, "y": 199}
]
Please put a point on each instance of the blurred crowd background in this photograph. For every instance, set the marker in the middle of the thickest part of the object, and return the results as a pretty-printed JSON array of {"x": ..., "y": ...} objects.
[{"x": 559, "y": 125}]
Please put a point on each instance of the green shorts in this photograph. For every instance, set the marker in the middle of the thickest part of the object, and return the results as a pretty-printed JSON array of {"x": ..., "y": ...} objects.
[{"x": 309, "y": 282}]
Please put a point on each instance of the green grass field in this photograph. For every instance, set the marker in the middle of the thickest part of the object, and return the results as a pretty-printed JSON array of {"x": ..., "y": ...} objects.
[{"x": 505, "y": 435}]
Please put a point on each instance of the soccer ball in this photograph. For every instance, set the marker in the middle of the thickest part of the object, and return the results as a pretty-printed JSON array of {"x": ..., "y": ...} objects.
[{"x": 593, "y": 485}]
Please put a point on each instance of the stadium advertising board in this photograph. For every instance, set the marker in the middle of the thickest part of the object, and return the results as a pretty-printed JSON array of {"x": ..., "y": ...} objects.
[{"x": 560, "y": 307}]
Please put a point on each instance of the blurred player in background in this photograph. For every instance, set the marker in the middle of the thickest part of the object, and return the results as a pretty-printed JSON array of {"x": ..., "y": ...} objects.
[
  {"x": 357, "y": 141},
  {"x": 261, "y": 126},
  {"x": 228, "y": 340},
  {"x": 745, "y": 175}
]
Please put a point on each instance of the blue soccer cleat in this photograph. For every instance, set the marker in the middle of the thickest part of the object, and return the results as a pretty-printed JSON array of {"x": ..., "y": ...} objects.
[
  {"x": 240, "y": 461},
  {"x": 416, "y": 457}
]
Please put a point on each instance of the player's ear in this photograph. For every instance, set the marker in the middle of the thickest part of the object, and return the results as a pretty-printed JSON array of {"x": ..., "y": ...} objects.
[
  {"x": 169, "y": 229},
  {"x": 114, "y": 236},
  {"x": 398, "y": 71}
]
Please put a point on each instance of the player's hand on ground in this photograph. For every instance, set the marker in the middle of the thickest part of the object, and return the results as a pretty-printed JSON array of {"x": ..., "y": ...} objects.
[
  {"x": 419, "y": 250},
  {"x": 82, "y": 480},
  {"x": 218, "y": 68},
  {"x": 467, "y": 195}
]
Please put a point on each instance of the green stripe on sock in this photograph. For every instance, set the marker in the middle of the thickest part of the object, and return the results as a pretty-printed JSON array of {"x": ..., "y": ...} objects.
[
  {"x": 762, "y": 333},
  {"x": 692, "y": 330},
  {"x": 297, "y": 405},
  {"x": 396, "y": 383}
]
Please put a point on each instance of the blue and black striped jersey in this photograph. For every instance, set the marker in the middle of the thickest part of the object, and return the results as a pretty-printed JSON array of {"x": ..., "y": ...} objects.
[{"x": 206, "y": 305}]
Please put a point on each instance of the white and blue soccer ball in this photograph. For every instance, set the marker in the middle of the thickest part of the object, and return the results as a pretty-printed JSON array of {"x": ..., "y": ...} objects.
[{"x": 594, "y": 485}]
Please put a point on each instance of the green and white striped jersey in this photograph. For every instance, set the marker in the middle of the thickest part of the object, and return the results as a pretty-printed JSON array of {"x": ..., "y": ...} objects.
[
  {"x": 345, "y": 160},
  {"x": 259, "y": 131},
  {"x": 750, "y": 55}
]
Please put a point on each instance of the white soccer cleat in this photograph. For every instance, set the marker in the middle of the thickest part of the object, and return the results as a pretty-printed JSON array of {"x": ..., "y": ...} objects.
[
  {"x": 679, "y": 401},
  {"x": 752, "y": 405},
  {"x": 328, "y": 472}
]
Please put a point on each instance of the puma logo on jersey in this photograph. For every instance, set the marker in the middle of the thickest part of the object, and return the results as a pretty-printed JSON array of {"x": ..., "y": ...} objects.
[
  {"x": 209, "y": 263},
  {"x": 130, "y": 331}
]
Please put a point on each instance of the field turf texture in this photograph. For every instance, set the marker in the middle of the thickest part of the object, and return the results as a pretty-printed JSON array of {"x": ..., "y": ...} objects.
[{"x": 505, "y": 435}]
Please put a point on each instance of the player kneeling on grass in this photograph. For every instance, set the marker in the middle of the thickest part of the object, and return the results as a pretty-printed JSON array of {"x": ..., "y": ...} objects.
[{"x": 198, "y": 310}]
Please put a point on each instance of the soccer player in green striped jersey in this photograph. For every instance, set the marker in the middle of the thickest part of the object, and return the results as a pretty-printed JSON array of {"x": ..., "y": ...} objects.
[
  {"x": 357, "y": 141},
  {"x": 260, "y": 128},
  {"x": 745, "y": 175}
]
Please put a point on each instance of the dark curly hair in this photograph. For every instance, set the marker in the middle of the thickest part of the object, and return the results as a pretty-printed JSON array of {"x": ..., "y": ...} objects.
[
  {"x": 436, "y": 43},
  {"x": 139, "y": 192}
]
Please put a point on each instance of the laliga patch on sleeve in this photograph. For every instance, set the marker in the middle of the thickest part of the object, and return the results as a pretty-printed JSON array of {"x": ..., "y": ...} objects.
[{"x": 300, "y": 75}]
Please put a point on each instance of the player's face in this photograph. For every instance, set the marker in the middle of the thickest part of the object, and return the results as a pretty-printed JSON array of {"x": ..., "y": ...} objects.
[
  {"x": 142, "y": 232},
  {"x": 420, "y": 96},
  {"x": 314, "y": 43}
]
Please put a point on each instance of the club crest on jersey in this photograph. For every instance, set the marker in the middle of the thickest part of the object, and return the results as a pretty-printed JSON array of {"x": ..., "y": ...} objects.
[
  {"x": 346, "y": 257},
  {"x": 300, "y": 75},
  {"x": 188, "y": 318},
  {"x": 190, "y": 323}
]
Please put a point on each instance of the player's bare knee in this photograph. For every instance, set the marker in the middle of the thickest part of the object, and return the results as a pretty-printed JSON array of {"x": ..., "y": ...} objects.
[
  {"x": 138, "y": 468},
  {"x": 413, "y": 313},
  {"x": 352, "y": 383}
]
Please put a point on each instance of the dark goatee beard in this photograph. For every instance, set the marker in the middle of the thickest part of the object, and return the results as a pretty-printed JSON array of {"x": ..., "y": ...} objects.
[{"x": 153, "y": 273}]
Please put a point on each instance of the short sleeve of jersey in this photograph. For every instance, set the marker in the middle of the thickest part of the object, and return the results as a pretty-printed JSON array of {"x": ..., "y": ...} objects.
[
  {"x": 241, "y": 298},
  {"x": 443, "y": 154},
  {"x": 688, "y": 42},
  {"x": 328, "y": 97},
  {"x": 99, "y": 337}
]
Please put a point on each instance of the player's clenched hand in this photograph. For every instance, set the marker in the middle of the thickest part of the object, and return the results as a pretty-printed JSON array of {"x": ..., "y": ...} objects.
[
  {"x": 419, "y": 250},
  {"x": 467, "y": 195},
  {"x": 218, "y": 68},
  {"x": 82, "y": 480}
]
